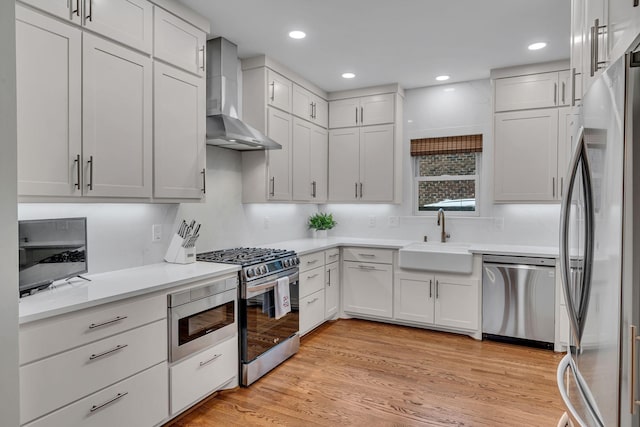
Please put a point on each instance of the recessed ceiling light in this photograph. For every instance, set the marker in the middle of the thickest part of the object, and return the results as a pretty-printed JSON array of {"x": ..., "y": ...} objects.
[
  {"x": 296, "y": 34},
  {"x": 348, "y": 75},
  {"x": 536, "y": 46},
  {"x": 442, "y": 78}
]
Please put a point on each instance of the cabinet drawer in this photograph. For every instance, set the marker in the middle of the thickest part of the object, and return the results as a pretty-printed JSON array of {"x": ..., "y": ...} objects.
[
  {"x": 368, "y": 255},
  {"x": 203, "y": 373},
  {"x": 526, "y": 92},
  {"x": 50, "y": 383},
  {"x": 143, "y": 402},
  {"x": 50, "y": 336},
  {"x": 332, "y": 255},
  {"x": 311, "y": 281},
  {"x": 311, "y": 311},
  {"x": 309, "y": 261}
]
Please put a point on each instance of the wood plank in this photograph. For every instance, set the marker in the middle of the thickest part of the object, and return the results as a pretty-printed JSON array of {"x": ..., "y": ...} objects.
[{"x": 355, "y": 372}]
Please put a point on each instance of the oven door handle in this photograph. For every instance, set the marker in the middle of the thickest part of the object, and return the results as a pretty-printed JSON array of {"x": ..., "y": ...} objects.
[{"x": 292, "y": 278}]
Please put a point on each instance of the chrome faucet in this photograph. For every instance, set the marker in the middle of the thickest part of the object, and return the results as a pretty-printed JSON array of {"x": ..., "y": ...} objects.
[{"x": 443, "y": 234}]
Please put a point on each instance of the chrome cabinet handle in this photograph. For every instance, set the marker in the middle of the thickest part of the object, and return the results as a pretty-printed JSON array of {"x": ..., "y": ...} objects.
[
  {"x": 366, "y": 267},
  {"x": 361, "y": 115},
  {"x": 90, "y": 15},
  {"x": 430, "y": 288},
  {"x": 104, "y": 353},
  {"x": 367, "y": 255},
  {"x": 553, "y": 187},
  {"x": 90, "y": 163},
  {"x": 573, "y": 87},
  {"x": 313, "y": 276},
  {"x": 202, "y": 56},
  {"x": 361, "y": 190},
  {"x": 77, "y": 9},
  {"x": 273, "y": 90},
  {"x": 77, "y": 162},
  {"x": 563, "y": 92},
  {"x": 333, "y": 255},
  {"x": 437, "y": 289},
  {"x": 311, "y": 110},
  {"x": 272, "y": 193},
  {"x": 206, "y": 362},
  {"x": 108, "y": 402},
  {"x": 329, "y": 279},
  {"x": 108, "y": 322},
  {"x": 561, "y": 186},
  {"x": 313, "y": 261},
  {"x": 555, "y": 94},
  {"x": 314, "y": 111},
  {"x": 595, "y": 33},
  {"x": 356, "y": 190},
  {"x": 204, "y": 180},
  {"x": 312, "y": 301},
  {"x": 313, "y": 189},
  {"x": 356, "y": 115}
]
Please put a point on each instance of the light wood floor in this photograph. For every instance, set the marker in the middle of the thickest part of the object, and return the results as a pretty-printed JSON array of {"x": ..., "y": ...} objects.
[{"x": 354, "y": 372}]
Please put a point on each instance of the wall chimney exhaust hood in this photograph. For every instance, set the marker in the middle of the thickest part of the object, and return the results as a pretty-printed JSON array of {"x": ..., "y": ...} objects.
[{"x": 224, "y": 129}]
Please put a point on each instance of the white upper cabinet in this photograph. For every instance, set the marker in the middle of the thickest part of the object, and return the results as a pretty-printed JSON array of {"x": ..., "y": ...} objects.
[
  {"x": 280, "y": 90},
  {"x": 179, "y": 134},
  {"x": 526, "y": 92},
  {"x": 525, "y": 157},
  {"x": 309, "y": 163},
  {"x": 279, "y": 161},
  {"x": 179, "y": 43},
  {"x": 344, "y": 164},
  {"x": 363, "y": 111},
  {"x": 48, "y": 106},
  {"x": 578, "y": 42},
  {"x": 376, "y": 163},
  {"x": 127, "y": 21},
  {"x": 624, "y": 25},
  {"x": 117, "y": 120},
  {"x": 309, "y": 106}
]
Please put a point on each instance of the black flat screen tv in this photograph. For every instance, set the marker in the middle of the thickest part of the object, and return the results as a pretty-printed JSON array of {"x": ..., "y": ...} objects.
[{"x": 50, "y": 250}]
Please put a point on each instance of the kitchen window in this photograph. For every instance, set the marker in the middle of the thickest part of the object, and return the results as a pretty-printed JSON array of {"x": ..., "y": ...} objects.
[{"x": 447, "y": 172}]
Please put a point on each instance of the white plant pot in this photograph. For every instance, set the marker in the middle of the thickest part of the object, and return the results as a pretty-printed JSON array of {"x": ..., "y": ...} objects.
[{"x": 319, "y": 234}]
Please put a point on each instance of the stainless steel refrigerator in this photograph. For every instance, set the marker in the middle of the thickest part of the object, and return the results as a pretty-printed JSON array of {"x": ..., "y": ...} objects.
[{"x": 596, "y": 377}]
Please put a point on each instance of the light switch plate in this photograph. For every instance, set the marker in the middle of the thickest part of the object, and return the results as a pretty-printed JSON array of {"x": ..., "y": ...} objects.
[{"x": 156, "y": 232}]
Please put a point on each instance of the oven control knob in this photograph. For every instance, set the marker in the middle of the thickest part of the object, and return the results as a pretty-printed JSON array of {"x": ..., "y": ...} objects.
[
  {"x": 297, "y": 260},
  {"x": 286, "y": 263},
  {"x": 264, "y": 269},
  {"x": 250, "y": 272}
]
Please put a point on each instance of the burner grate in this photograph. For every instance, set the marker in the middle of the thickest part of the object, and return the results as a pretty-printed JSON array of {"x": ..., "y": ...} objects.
[{"x": 243, "y": 256}]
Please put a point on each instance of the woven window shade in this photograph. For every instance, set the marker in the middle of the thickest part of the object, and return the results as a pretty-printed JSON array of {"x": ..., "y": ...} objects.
[{"x": 447, "y": 145}]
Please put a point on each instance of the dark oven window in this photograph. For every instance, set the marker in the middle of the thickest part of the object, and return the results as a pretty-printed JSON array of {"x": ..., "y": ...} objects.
[
  {"x": 205, "y": 322},
  {"x": 262, "y": 330}
]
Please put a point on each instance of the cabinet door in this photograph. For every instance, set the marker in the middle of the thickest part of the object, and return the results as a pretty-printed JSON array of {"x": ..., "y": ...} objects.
[
  {"x": 414, "y": 300},
  {"x": 525, "y": 158},
  {"x": 319, "y": 156},
  {"x": 178, "y": 43},
  {"x": 377, "y": 109},
  {"x": 623, "y": 26},
  {"x": 567, "y": 130},
  {"x": 48, "y": 105},
  {"x": 457, "y": 302},
  {"x": 302, "y": 103},
  {"x": 526, "y": 92},
  {"x": 376, "y": 163},
  {"x": 578, "y": 42},
  {"x": 179, "y": 134},
  {"x": 301, "y": 160},
  {"x": 126, "y": 21},
  {"x": 564, "y": 88},
  {"x": 368, "y": 289},
  {"x": 279, "y": 161},
  {"x": 279, "y": 91},
  {"x": 332, "y": 290},
  {"x": 117, "y": 120},
  {"x": 344, "y": 113},
  {"x": 344, "y": 164},
  {"x": 321, "y": 112},
  {"x": 65, "y": 9}
]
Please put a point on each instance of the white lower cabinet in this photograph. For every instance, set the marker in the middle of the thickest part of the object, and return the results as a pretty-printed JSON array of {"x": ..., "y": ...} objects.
[
  {"x": 332, "y": 289},
  {"x": 446, "y": 300},
  {"x": 202, "y": 374},
  {"x": 140, "y": 400},
  {"x": 53, "y": 382},
  {"x": 311, "y": 311},
  {"x": 368, "y": 289}
]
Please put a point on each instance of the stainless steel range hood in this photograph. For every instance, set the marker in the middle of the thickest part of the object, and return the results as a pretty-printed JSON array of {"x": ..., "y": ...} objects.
[{"x": 224, "y": 129}]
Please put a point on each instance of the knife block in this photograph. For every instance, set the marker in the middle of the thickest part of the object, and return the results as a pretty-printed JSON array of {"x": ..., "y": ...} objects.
[{"x": 177, "y": 254}]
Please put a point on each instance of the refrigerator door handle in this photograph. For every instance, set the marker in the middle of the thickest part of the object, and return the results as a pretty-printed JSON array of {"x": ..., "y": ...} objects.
[
  {"x": 565, "y": 273},
  {"x": 562, "y": 369}
]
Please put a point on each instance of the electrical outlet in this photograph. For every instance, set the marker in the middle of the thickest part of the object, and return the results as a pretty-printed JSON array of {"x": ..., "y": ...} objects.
[
  {"x": 156, "y": 232},
  {"x": 372, "y": 221},
  {"x": 394, "y": 221},
  {"x": 266, "y": 222}
]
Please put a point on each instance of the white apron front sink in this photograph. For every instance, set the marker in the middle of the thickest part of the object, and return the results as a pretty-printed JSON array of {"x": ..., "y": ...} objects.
[{"x": 434, "y": 256}]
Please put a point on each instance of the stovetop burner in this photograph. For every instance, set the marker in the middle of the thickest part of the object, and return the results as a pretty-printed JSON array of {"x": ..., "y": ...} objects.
[{"x": 244, "y": 256}]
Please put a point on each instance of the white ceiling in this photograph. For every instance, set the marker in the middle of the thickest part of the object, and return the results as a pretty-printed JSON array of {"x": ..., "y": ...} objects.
[{"x": 387, "y": 41}]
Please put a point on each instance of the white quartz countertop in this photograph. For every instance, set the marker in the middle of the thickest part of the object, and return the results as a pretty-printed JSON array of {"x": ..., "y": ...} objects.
[
  {"x": 113, "y": 286},
  {"x": 305, "y": 246}
]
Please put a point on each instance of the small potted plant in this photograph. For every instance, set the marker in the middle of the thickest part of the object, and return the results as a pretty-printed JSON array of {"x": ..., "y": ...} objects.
[{"x": 319, "y": 223}]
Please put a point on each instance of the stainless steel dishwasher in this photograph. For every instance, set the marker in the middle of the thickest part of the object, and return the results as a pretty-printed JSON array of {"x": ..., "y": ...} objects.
[{"x": 518, "y": 300}]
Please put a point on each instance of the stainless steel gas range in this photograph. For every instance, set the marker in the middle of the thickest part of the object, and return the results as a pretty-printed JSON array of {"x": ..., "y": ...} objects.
[{"x": 265, "y": 341}]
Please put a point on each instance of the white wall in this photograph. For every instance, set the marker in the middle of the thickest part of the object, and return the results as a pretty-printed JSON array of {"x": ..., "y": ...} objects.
[
  {"x": 445, "y": 110},
  {"x": 9, "y": 385}
]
